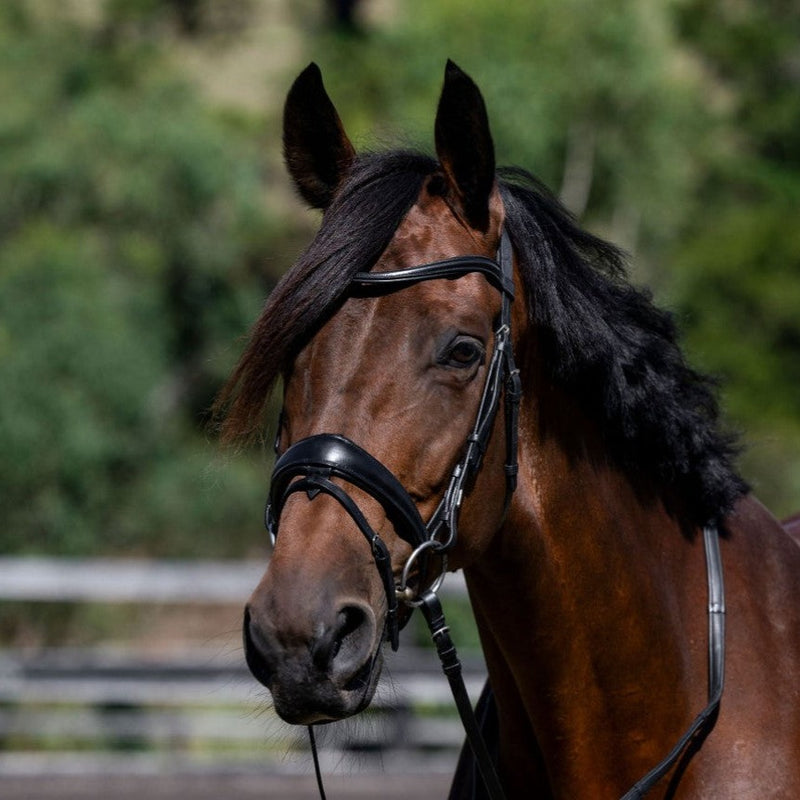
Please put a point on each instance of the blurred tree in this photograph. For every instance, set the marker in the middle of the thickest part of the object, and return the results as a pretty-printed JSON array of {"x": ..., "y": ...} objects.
[
  {"x": 737, "y": 272},
  {"x": 189, "y": 14},
  {"x": 132, "y": 238},
  {"x": 155, "y": 19},
  {"x": 594, "y": 98},
  {"x": 343, "y": 13},
  {"x": 134, "y": 232}
]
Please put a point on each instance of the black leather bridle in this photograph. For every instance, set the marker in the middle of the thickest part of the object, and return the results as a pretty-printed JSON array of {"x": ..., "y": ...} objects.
[{"x": 311, "y": 464}]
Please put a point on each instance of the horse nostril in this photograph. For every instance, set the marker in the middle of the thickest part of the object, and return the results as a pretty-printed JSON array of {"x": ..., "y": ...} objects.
[
  {"x": 348, "y": 622},
  {"x": 347, "y": 645}
]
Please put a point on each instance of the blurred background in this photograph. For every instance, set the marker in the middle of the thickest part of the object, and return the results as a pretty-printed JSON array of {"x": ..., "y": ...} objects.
[{"x": 144, "y": 216}]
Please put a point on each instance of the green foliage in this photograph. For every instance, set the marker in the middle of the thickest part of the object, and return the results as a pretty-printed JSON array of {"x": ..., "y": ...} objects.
[
  {"x": 569, "y": 87},
  {"x": 738, "y": 284},
  {"x": 737, "y": 271},
  {"x": 756, "y": 315},
  {"x": 132, "y": 224},
  {"x": 751, "y": 49},
  {"x": 135, "y": 224}
]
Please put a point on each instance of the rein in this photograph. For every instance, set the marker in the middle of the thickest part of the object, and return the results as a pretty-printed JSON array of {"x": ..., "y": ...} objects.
[{"x": 310, "y": 464}]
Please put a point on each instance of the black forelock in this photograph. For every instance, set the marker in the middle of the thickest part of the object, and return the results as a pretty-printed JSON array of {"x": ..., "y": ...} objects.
[{"x": 355, "y": 230}]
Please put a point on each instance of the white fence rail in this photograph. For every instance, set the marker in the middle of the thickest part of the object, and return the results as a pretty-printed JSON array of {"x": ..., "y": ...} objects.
[{"x": 139, "y": 580}]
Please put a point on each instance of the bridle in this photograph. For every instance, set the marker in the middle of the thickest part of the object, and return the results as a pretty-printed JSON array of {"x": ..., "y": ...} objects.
[{"x": 311, "y": 464}]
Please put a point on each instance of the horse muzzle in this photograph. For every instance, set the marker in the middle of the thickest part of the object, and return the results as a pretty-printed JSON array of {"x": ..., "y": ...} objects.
[{"x": 327, "y": 673}]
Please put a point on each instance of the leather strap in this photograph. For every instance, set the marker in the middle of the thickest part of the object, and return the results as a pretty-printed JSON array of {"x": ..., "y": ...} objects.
[
  {"x": 451, "y": 666},
  {"x": 329, "y": 454},
  {"x": 451, "y": 269},
  {"x": 704, "y": 722}
]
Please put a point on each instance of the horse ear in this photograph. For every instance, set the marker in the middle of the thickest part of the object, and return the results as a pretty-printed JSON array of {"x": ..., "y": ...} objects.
[
  {"x": 316, "y": 149},
  {"x": 464, "y": 145}
]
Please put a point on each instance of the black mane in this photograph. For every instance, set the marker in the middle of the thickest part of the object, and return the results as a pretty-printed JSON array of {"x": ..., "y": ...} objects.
[
  {"x": 603, "y": 341},
  {"x": 609, "y": 347}
]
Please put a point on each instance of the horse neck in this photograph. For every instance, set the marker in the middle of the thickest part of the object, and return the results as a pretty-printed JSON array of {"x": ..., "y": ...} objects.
[{"x": 586, "y": 602}]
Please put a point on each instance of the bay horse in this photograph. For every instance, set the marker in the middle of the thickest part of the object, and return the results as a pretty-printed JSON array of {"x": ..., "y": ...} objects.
[{"x": 581, "y": 544}]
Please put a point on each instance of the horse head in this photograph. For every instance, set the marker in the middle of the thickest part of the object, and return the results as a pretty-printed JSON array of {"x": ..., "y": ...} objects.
[{"x": 397, "y": 375}]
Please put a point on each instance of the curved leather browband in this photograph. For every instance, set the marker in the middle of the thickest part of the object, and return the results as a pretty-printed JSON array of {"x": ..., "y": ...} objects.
[{"x": 451, "y": 268}]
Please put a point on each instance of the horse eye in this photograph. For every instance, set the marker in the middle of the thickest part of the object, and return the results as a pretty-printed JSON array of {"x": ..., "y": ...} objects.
[{"x": 462, "y": 352}]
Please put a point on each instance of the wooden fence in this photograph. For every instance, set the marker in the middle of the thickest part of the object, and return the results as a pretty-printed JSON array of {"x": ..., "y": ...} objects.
[{"x": 198, "y": 708}]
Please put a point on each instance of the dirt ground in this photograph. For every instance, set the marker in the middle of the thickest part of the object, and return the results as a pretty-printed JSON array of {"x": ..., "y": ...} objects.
[{"x": 222, "y": 787}]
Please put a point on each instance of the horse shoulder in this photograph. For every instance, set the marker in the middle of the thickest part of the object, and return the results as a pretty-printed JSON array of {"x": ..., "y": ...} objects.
[
  {"x": 759, "y": 722},
  {"x": 764, "y": 547},
  {"x": 792, "y": 527}
]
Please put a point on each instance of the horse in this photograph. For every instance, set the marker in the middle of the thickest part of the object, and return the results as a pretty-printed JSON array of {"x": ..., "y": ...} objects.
[
  {"x": 792, "y": 526},
  {"x": 581, "y": 542}
]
